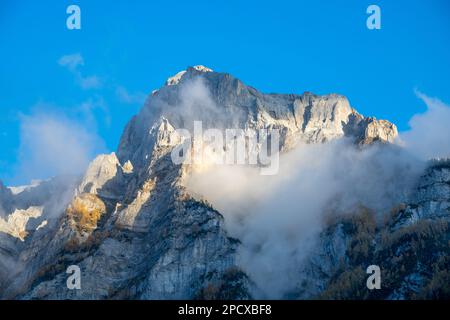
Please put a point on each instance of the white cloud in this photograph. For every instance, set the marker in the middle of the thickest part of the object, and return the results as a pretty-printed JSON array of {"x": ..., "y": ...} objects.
[
  {"x": 51, "y": 144},
  {"x": 278, "y": 217},
  {"x": 429, "y": 133},
  {"x": 73, "y": 62}
]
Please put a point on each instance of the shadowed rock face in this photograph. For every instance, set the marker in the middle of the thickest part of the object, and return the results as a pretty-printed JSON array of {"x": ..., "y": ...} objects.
[
  {"x": 411, "y": 246},
  {"x": 5, "y": 199},
  {"x": 152, "y": 239}
]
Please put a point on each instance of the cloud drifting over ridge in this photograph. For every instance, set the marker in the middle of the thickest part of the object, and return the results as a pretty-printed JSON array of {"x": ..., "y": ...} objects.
[
  {"x": 429, "y": 134},
  {"x": 52, "y": 144},
  {"x": 278, "y": 218}
]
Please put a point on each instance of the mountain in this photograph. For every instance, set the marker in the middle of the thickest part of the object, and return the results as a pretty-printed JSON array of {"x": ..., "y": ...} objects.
[{"x": 136, "y": 231}]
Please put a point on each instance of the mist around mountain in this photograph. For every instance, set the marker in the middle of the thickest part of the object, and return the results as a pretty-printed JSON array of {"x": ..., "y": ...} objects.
[{"x": 348, "y": 192}]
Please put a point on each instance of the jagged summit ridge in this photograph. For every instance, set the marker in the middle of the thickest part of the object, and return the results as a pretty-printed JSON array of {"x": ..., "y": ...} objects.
[
  {"x": 176, "y": 78},
  {"x": 220, "y": 100}
]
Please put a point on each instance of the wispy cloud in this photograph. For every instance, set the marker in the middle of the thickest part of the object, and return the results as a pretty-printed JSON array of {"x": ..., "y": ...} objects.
[
  {"x": 73, "y": 62},
  {"x": 429, "y": 133},
  {"x": 130, "y": 98},
  {"x": 90, "y": 82},
  {"x": 278, "y": 218},
  {"x": 89, "y": 110},
  {"x": 52, "y": 143}
]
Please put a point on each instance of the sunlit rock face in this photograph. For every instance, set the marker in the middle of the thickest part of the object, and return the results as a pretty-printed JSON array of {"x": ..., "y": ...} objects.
[
  {"x": 221, "y": 101},
  {"x": 136, "y": 232}
]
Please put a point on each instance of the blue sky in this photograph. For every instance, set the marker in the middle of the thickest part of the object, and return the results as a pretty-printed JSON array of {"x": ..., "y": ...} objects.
[{"x": 129, "y": 48}]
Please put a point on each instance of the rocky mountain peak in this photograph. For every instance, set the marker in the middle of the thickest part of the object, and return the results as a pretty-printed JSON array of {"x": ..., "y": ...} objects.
[
  {"x": 137, "y": 232},
  {"x": 176, "y": 78},
  {"x": 222, "y": 101}
]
